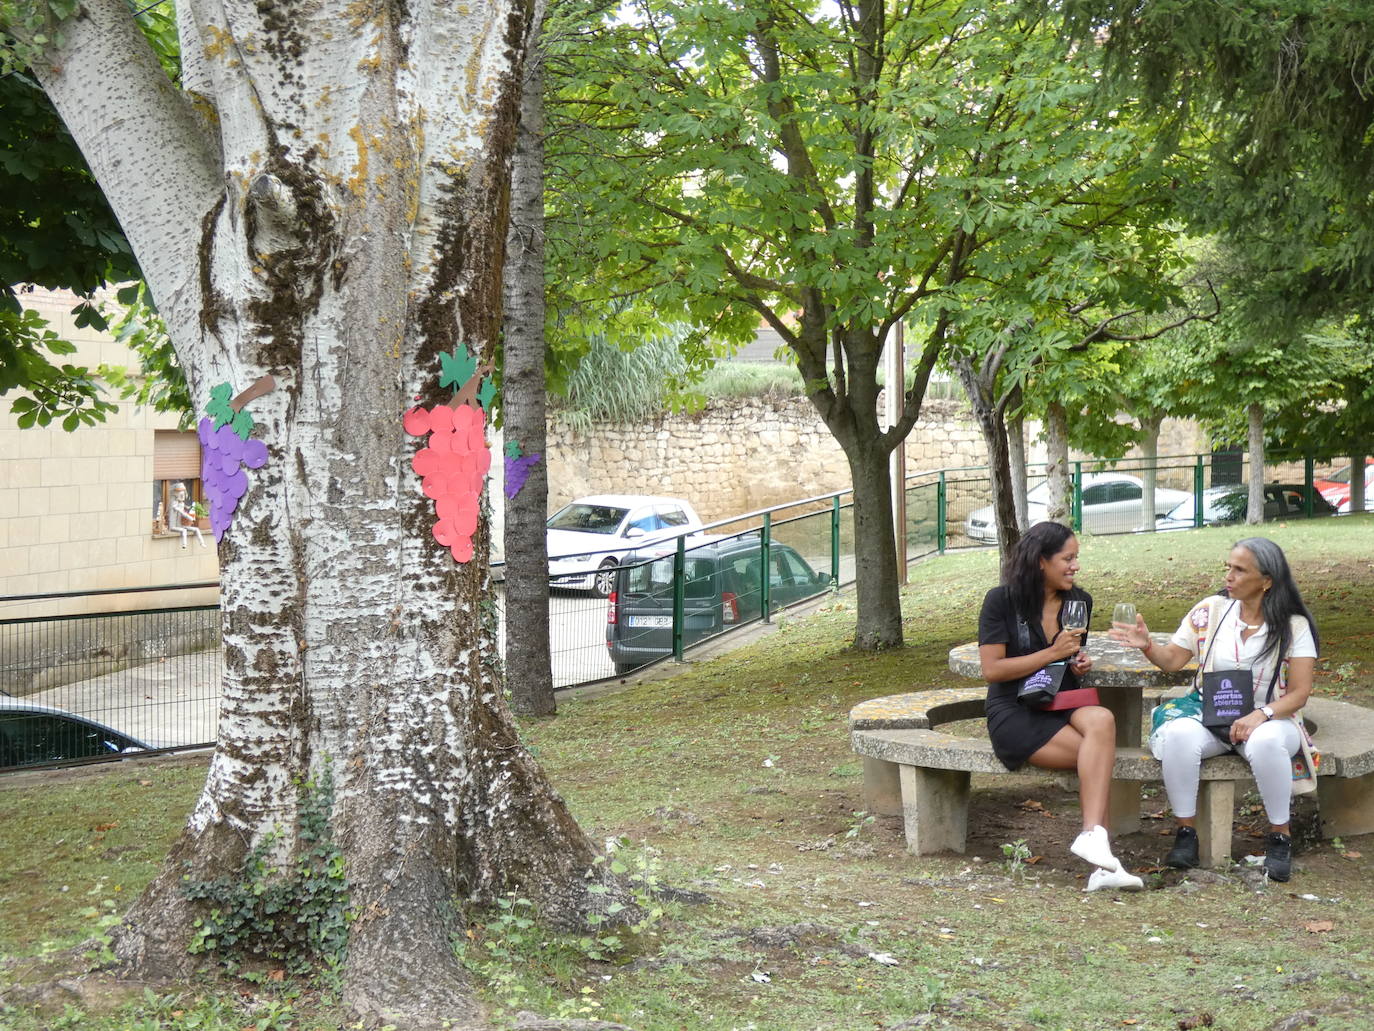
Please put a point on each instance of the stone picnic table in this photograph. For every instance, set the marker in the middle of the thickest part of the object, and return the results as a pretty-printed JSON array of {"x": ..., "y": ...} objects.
[
  {"x": 1122, "y": 676},
  {"x": 914, "y": 769}
]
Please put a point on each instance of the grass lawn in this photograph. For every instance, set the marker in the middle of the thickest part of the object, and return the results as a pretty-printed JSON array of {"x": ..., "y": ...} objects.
[{"x": 733, "y": 779}]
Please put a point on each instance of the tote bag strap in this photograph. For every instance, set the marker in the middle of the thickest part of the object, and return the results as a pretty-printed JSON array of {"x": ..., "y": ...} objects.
[{"x": 1213, "y": 625}]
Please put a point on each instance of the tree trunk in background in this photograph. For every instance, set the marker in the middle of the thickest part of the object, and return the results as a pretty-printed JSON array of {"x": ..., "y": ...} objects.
[
  {"x": 875, "y": 551},
  {"x": 1149, "y": 447},
  {"x": 1358, "y": 478},
  {"x": 529, "y": 671},
  {"x": 337, "y": 224},
  {"x": 1016, "y": 450},
  {"x": 852, "y": 418},
  {"x": 988, "y": 412},
  {"x": 1059, "y": 508},
  {"x": 1254, "y": 509}
]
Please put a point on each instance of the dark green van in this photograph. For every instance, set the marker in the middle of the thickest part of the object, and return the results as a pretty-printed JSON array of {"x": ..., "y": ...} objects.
[{"x": 722, "y": 588}]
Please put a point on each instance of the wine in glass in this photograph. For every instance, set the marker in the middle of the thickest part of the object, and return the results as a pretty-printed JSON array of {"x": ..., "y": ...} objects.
[
  {"x": 1124, "y": 615},
  {"x": 1075, "y": 615}
]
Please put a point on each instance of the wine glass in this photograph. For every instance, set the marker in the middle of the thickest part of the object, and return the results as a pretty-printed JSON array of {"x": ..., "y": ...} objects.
[
  {"x": 1124, "y": 615},
  {"x": 1075, "y": 615}
]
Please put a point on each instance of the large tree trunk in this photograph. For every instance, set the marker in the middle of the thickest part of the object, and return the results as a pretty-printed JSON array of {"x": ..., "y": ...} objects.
[
  {"x": 1254, "y": 510},
  {"x": 529, "y": 668},
  {"x": 1057, "y": 464},
  {"x": 337, "y": 225},
  {"x": 1358, "y": 478}
]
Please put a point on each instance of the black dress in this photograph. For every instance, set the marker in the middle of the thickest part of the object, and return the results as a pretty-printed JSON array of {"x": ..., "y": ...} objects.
[{"x": 1018, "y": 732}]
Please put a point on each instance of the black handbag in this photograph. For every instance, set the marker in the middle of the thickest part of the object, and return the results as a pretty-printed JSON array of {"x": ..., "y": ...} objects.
[
  {"x": 1227, "y": 695},
  {"x": 1037, "y": 691}
]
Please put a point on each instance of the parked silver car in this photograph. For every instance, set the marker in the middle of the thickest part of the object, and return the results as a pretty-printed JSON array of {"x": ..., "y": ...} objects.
[
  {"x": 1111, "y": 504},
  {"x": 589, "y": 537}
]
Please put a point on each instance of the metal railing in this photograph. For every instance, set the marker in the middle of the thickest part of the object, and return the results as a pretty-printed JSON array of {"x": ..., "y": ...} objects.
[
  {"x": 153, "y": 673},
  {"x": 146, "y": 678}
]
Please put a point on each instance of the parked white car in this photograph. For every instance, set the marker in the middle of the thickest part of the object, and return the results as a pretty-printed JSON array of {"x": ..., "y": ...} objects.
[
  {"x": 1111, "y": 504},
  {"x": 588, "y": 538},
  {"x": 1344, "y": 506}
]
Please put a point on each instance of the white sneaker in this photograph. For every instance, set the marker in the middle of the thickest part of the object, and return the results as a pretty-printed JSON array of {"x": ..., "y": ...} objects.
[
  {"x": 1117, "y": 878},
  {"x": 1091, "y": 846}
]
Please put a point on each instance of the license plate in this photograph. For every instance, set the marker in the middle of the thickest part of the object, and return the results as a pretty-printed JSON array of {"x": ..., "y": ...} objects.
[{"x": 658, "y": 621}]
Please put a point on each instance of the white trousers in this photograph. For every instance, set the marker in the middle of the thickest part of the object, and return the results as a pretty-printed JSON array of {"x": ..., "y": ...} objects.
[{"x": 1180, "y": 745}]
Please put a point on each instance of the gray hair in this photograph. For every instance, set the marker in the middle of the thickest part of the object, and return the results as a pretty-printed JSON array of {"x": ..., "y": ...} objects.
[{"x": 1283, "y": 600}]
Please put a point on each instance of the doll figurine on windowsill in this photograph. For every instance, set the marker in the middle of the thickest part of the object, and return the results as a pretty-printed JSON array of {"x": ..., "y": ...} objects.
[{"x": 183, "y": 519}]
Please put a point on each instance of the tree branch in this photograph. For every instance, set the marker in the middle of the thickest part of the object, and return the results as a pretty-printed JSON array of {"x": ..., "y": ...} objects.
[{"x": 155, "y": 156}]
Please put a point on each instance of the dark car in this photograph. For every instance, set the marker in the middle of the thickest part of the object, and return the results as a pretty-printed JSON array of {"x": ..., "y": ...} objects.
[
  {"x": 722, "y": 587},
  {"x": 1227, "y": 503},
  {"x": 34, "y": 734}
]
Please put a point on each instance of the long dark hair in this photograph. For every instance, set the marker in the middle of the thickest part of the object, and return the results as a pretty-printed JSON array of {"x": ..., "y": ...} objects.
[
  {"x": 1282, "y": 601},
  {"x": 1021, "y": 572}
]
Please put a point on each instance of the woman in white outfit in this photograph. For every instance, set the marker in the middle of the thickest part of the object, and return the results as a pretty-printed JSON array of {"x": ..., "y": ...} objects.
[{"x": 1260, "y": 624}]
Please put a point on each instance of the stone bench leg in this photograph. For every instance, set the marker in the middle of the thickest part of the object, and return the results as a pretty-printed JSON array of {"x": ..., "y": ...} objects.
[
  {"x": 1346, "y": 805},
  {"x": 935, "y": 809},
  {"x": 882, "y": 788},
  {"x": 1216, "y": 806},
  {"x": 1123, "y": 807}
]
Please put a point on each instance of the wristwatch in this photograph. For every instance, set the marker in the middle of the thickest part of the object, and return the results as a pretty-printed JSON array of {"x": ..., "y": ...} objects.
[{"x": 1268, "y": 711}]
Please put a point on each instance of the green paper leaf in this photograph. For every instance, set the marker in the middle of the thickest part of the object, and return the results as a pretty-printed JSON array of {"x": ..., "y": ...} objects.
[
  {"x": 485, "y": 393},
  {"x": 458, "y": 367},
  {"x": 513, "y": 449},
  {"x": 243, "y": 424}
]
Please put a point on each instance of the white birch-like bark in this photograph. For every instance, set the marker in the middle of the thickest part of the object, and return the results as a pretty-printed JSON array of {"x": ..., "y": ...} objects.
[
  {"x": 1358, "y": 478},
  {"x": 330, "y": 210}
]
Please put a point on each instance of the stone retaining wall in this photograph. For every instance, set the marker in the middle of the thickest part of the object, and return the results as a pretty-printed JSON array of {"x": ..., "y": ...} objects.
[{"x": 741, "y": 455}]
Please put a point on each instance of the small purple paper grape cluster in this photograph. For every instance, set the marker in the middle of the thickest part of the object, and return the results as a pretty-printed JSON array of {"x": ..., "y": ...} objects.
[
  {"x": 225, "y": 449},
  {"x": 518, "y": 468}
]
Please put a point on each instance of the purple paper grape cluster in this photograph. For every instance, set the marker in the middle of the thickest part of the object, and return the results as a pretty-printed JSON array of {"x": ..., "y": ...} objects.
[
  {"x": 223, "y": 454},
  {"x": 518, "y": 469}
]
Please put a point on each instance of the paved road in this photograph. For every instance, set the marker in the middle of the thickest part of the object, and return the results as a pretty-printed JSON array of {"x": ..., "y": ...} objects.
[{"x": 168, "y": 703}]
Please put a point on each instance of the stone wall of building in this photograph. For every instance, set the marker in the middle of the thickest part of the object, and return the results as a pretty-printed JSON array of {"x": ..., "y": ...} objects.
[{"x": 76, "y": 509}]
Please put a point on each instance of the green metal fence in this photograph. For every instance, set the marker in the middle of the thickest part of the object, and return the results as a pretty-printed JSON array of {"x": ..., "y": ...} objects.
[
  {"x": 944, "y": 509},
  {"x": 741, "y": 571}
]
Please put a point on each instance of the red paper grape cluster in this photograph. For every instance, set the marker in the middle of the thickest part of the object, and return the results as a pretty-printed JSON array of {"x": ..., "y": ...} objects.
[{"x": 452, "y": 468}]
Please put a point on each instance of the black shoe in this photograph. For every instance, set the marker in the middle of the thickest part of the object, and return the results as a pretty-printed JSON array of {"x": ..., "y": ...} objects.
[
  {"x": 1183, "y": 856},
  {"x": 1278, "y": 856}
]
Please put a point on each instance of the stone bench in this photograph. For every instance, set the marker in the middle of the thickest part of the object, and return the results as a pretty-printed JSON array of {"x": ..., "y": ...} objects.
[{"x": 914, "y": 770}]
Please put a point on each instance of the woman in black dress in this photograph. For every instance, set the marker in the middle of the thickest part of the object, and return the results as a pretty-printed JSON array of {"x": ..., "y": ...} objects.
[{"x": 1020, "y": 631}]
